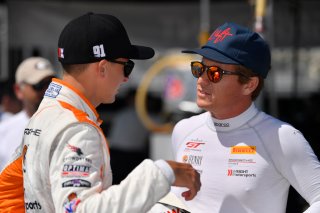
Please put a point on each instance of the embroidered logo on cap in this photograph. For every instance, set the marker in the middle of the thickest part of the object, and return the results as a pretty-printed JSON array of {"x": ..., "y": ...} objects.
[
  {"x": 60, "y": 53},
  {"x": 98, "y": 51},
  {"x": 219, "y": 35}
]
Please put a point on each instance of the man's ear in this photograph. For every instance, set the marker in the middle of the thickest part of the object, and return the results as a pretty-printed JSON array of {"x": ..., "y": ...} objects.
[
  {"x": 102, "y": 67},
  {"x": 251, "y": 85},
  {"x": 18, "y": 91}
]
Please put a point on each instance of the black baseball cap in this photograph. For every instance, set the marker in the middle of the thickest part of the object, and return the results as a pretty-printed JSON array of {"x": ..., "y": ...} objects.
[{"x": 93, "y": 37}]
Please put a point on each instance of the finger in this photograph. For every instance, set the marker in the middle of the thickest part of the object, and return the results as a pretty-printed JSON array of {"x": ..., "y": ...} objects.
[
  {"x": 198, "y": 182},
  {"x": 188, "y": 195}
]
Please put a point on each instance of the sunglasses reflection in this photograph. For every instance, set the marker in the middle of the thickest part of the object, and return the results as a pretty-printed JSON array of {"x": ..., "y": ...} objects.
[{"x": 214, "y": 73}]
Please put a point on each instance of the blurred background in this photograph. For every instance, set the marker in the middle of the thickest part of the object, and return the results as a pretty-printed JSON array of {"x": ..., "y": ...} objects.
[{"x": 161, "y": 91}]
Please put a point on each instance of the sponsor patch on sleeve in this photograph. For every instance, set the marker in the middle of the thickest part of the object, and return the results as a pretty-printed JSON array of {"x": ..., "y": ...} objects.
[{"x": 53, "y": 90}]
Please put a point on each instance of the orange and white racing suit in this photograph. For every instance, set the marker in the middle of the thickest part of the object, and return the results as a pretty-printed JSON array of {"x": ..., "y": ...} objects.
[{"x": 65, "y": 163}]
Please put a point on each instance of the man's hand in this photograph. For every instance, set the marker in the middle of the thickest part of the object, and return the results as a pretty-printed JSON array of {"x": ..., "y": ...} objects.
[{"x": 186, "y": 176}]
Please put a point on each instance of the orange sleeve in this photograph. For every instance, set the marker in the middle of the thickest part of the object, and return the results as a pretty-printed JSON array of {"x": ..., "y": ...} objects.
[{"x": 11, "y": 188}]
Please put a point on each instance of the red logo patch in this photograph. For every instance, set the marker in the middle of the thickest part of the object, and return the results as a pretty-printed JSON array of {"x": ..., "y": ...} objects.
[
  {"x": 60, "y": 53},
  {"x": 193, "y": 145},
  {"x": 219, "y": 35}
]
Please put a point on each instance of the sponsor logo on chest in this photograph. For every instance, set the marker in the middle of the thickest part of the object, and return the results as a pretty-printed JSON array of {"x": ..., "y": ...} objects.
[
  {"x": 241, "y": 173},
  {"x": 196, "y": 145},
  {"x": 32, "y": 205},
  {"x": 76, "y": 183},
  {"x": 35, "y": 132},
  {"x": 75, "y": 170},
  {"x": 192, "y": 159},
  {"x": 243, "y": 150}
]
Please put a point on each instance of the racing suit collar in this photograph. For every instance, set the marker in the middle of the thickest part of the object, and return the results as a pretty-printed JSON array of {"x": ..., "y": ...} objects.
[
  {"x": 232, "y": 123},
  {"x": 62, "y": 91}
]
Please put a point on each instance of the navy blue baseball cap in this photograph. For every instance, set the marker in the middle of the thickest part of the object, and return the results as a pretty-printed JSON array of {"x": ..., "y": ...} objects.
[{"x": 235, "y": 44}]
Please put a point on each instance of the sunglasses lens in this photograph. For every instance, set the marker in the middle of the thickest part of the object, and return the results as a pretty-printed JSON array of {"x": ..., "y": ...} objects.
[
  {"x": 213, "y": 74},
  {"x": 128, "y": 67},
  {"x": 196, "y": 69}
]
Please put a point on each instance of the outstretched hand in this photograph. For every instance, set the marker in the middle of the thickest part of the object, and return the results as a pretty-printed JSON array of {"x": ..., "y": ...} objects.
[{"x": 186, "y": 176}]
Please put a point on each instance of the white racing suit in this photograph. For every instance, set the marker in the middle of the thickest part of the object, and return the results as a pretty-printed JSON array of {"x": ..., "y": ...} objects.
[
  {"x": 246, "y": 163},
  {"x": 66, "y": 161}
]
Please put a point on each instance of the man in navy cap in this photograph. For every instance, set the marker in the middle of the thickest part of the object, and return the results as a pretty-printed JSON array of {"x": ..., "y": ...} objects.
[{"x": 247, "y": 159}]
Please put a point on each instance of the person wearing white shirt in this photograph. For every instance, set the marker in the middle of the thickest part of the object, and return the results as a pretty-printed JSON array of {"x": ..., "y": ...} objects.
[
  {"x": 32, "y": 78},
  {"x": 9, "y": 104}
]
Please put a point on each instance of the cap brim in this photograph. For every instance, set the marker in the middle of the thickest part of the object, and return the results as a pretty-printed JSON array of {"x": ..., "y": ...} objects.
[
  {"x": 212, "y": 54},
  {"x": 141, "y": 52}
]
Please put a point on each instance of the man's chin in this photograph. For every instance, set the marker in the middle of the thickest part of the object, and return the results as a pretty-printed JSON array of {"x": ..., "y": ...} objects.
[
  {"x": 110, "y": 101},
  {"x": 203, "y": 105}
]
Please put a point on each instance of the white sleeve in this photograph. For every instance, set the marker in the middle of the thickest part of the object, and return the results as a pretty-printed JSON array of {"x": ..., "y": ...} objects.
[
  {"x": 143, "y": 187},
  {"x": 166, "y": 170},
  {"x": 300, "y": 166},
  {"x": 78, "y": 183}
]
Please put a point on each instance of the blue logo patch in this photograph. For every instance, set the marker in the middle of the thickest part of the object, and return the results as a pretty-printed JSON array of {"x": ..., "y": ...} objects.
[
  {"x": 71, "y": 206},
  {"x": 53, "y": 90}
]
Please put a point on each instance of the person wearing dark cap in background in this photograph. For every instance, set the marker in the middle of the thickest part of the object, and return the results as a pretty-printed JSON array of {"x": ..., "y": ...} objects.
[
  {"x": 246, "y": 158},
  {"x": 65, "y": 154},
  {"x": 32, "y": 78}
]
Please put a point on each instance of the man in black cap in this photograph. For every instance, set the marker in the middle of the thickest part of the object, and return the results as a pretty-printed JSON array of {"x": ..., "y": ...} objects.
[
  {"x": 65, "y": 156},
  {"x": 247, "y": 159}
]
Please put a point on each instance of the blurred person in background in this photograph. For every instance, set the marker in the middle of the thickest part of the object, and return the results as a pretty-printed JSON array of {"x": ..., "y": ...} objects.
[
  {"x": 247, "y": 159},
  {"x": 9, "y": 104},
  {"x": 64, "y": 157},
  {"x": 32, "y": 78},
  {"x": 127, "y": 149}
]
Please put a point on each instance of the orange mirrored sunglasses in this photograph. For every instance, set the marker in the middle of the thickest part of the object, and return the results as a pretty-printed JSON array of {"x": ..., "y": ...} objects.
[{"x": 214, "y": 73}]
